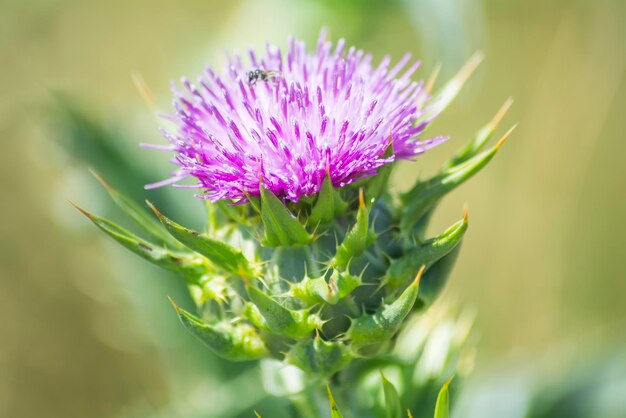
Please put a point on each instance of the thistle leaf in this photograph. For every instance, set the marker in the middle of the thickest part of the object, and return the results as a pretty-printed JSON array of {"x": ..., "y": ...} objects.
[
  {"x": 425, "y": 254},
  {"x": 319, "y": 357},
  {"x": 442, "y": 407},
  {"x": 328, "y": 204},
  {"x": 424, "y": 195},
  {"x": 281, "y": 227},
  {"x": 356, "y": 240},
  {"x": 140, "y": 216},
  {"x": 238, "y": 342},
  {"x": 220, "y": 253},
  {"x": 334, "y": 409},
  {"x": 393, "y": 407},
  {"x": 187, "y": 264},
  {"x": 382, "y": 325},
  {"x": 281, "y": 320}
]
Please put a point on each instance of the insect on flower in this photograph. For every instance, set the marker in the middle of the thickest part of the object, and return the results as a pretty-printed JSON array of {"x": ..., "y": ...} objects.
[{"x": 263, "y": 75}]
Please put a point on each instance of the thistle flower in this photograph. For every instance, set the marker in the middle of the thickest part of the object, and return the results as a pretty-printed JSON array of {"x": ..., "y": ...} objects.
[
  {"x": 317, "y": 265},
  {"x": 287, "y": 120}
]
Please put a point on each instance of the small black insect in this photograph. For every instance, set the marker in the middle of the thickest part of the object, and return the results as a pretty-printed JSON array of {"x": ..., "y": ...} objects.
[{"x": 263, "y": 75}]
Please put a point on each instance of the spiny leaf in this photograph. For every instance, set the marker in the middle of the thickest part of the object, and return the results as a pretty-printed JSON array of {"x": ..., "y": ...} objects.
[
  {"x": 281, "y": 227},
  {"x": 220, "y": 253},
  {"x": 382, "y": 325},
  {"x": 356, "y": 240},
  {"x": 442, "y": 407},
  {"x": 281, "y": 320},
  {"x": 319, "y": 357},
  {"x": 480, "y": 139},
  {"x": 314, "y": 291},
  {"x": 187, "y": 264},
  {"x": 334, "y": 409},
  {"x": 426, "y": 254},
  {"x": 393, "y": 406},
  {"x": 444, "y": 97},
  {"x": 141, "y": 217},
  {"x": 328, "y": 205},
  {"x": 238, "y": 342},
  {"x": 424, "y": 195}
]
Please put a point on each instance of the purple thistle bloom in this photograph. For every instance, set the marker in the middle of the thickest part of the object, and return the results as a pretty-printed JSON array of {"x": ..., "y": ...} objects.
[{"x": 301, "y": 116}]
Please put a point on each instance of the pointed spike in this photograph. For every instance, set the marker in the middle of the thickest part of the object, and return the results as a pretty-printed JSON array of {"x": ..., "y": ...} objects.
[
  {"x": 502, "y": 140},
  {"x": 221, "y": 254},
  {"x": 334, "y": 409},
  {"x": 425, "y": 195},
  {"x": 442, "y": 407},
  {"x": 279, "y": 319},
  {"x": 238, "y": 342},
  {"x": 425, "y": 254},
  {"x": 356, "y": 240},
  {"x": 189, "y": 265},
  {"x": 430, "y": 83},
  {"x": 376, "y": 328}
]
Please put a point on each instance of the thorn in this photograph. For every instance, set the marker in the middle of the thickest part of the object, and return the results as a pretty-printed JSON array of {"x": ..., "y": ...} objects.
[
  {"x": 361, "y": 199},
  {"x": 465, "y": 213},
  {"x": 155, "y": 210},
  {"x": 470, "y": 66},
  {"x": 419, "y": 275},
  {"x": 317, "y": 334},
  {"x": 143, "y": 89},
  {"x": 505, "y": 137},
  {"x": 447, "y": 382},
  {"x": 257, "y": 414},
  {"x": 498, "y": 117},
  {"x": 176, "y": 307},
  {"x": 409, "y": 414},
  {"x": 83, "y": 211},
  {"x": 101, "y": 179},
  {"x": 432, "y": 78}
]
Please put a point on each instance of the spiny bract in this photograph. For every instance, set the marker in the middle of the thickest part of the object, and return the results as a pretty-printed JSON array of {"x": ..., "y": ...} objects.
[{"x": 300, "y": 269}]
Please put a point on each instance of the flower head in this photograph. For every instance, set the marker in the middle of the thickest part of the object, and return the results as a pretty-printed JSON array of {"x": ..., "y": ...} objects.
[{"x": 285, "y": 121}]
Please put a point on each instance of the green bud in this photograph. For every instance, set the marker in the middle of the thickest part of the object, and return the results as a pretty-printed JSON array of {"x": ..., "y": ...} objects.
[
  {"x": 281, "y": 320},
  {"x": 382, "y": 325},
  {"x": 319, "y": 357},
  {"x": 426, "y": 254},
  {"x": 281, "y": 227},
  {"x": 424, "y": 195},
  {"x": 356, "y": 240},
  {"x": 191, "y": 266},
  {"x": 328, "y": 205},
  {"x": 393, "y": 406},
  {"x": 237, "y": 342},
  {"x": 220, "y": 253}
]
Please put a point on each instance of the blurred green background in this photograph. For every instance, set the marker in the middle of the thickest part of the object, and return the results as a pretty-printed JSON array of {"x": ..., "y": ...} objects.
[{"x": 86, "y": 329}]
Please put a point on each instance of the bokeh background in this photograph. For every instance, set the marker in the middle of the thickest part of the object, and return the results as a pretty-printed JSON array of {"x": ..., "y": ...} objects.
[{"x": 86, "y": 329}]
